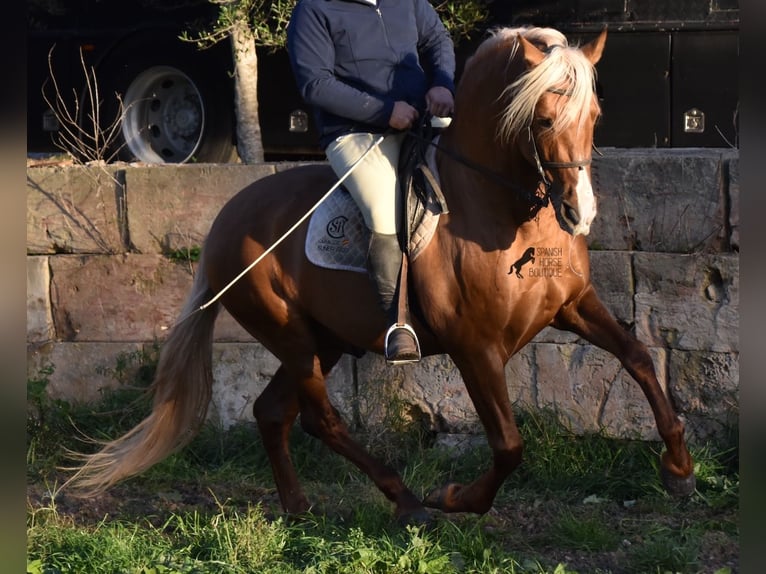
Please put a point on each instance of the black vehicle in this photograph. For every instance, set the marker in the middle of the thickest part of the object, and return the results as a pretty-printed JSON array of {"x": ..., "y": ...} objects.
[
  {"x": 184, "y": 95},
  {"x": 668, "y": 77}
]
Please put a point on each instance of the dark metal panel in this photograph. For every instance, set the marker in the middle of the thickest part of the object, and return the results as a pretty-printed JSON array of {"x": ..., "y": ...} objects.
[
  {"x": 279, "y": 104},
  {"x": 634, "y": 88},
  {"x": 704, "y": 89},
  {"x": 623, "y": 15},
  {"x": 677, "y": 10}
]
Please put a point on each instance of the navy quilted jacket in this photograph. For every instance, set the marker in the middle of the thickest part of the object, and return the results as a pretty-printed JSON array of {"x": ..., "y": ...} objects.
[{"x": 353, "y": 60}]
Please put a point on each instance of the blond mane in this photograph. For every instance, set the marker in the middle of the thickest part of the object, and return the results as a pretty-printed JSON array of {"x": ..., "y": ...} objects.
[{"x": 564, "y": 67}]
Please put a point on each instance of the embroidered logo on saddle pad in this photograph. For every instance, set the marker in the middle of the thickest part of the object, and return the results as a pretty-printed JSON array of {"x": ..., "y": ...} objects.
[{"x": 337, "y": 237}]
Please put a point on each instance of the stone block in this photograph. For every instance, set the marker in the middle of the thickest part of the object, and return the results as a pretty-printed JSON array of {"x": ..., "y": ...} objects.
[
  {"x": 39, "y": 315},
  {"x": 663, "y": 200},
  {"x": 612, "y": 276},
  {"x": 590, "y": 391},
  {"x": 242, "y": 371},
  {"x": 74, "y": 210},
  {"x": 430, "y": 393},
  {"x": 342, "y": 388},
  {"x": 81, "y": 372},
  {"x": 688, "y": 302},
  {"x": 626, "y": 412},
  {"x": 89, "y": 312},
  {"x": 705, "y": 388},
  {"x": 520, "y": 377},
  {"x": 172, "y": 207},
  {"x": 118, "y": 298}
]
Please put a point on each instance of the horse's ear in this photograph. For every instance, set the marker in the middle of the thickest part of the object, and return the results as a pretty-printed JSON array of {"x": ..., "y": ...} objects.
[
  {"x": 532, "y": 55},
  {"x": 595, "y": 48}
]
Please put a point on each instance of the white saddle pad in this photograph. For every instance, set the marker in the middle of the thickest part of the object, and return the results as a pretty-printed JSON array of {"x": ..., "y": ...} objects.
[{"x": 337, "y": 236}]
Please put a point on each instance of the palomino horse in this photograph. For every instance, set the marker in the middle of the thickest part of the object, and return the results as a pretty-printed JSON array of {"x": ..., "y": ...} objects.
[{"x": 514, "y": 167}]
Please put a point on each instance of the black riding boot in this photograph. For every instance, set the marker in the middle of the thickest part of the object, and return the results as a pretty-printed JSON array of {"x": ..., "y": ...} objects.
[{"x": 384, "y": 263}]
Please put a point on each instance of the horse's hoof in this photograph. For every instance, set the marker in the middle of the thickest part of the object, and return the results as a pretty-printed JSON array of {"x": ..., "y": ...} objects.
[
  {"x": 419, "y": 517},
  {"x": 443, "y": 498},
  {"x": 678, "y": 486},
  {"x": 435, "y": 499}
]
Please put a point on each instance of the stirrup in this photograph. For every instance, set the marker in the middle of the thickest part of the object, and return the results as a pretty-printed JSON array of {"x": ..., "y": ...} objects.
[{"x": 409, "y": 359}]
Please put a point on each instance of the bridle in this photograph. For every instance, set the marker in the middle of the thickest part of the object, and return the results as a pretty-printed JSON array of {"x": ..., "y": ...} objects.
[
  {"x": 537, "y": 200},
  {"x": 543, "y": 165}
]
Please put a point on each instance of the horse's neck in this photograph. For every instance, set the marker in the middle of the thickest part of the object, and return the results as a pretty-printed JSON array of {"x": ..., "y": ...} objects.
[{"x": 482, "y": 184}]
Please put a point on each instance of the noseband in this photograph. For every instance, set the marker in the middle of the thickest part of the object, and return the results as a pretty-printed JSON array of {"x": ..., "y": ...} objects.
[{"x": 542, "y": 165}]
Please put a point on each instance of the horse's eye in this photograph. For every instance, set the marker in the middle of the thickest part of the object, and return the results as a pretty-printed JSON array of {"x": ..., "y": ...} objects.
[{"x": 545, "y": 123}]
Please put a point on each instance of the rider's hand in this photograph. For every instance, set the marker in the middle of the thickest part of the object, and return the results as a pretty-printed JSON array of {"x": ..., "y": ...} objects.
[
  {"x": 439, "y": 101},
  {"x": 402, "y": 116}
]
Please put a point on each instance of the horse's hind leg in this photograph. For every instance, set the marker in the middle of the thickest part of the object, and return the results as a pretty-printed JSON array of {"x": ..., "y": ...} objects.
[
  {"x": 275, "y": 411},
  {"x": 299, "y": 386},
  {"x": 589, "y": 318},
  {"x": 320, "y": 419}
]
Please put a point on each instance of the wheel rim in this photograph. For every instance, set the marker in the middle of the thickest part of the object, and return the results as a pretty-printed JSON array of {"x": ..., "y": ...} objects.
[{"x": 164, "y": 116}]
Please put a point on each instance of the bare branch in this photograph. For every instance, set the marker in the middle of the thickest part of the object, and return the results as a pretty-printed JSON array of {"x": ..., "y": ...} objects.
[{"x": 81, "y": 133}]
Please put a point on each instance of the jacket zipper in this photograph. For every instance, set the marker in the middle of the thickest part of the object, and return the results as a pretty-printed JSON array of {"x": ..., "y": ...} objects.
[{"x": 385, "y": 30}]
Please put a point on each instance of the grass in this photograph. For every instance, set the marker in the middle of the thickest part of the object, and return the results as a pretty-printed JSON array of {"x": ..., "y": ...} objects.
[{"x": 576, "y": 505}]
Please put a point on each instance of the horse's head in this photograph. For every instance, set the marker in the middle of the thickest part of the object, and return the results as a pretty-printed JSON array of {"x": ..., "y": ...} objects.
[{"x": 550, "y": 116}]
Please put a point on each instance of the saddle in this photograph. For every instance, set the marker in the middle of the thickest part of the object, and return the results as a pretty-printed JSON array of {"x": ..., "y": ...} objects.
[
  {"x": 418, "y": 181},
  {"x": 337, "y": 237}
]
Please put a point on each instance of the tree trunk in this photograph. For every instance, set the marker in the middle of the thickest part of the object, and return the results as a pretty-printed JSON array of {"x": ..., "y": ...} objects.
[{"x": 249, "y": 142}]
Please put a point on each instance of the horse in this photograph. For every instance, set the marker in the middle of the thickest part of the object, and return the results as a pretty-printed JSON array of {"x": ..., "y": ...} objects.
[{"x": 514, "y": 167}]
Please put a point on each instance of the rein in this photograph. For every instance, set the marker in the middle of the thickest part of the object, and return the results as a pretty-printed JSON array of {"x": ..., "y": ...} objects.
[{"x": 536, "y": 200}]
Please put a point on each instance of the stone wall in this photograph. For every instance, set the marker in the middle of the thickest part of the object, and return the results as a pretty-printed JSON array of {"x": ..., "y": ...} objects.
[{"x": 102, "y": 292}]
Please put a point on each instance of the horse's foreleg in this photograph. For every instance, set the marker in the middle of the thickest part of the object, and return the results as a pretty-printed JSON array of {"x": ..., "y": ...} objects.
[
  {"x": 275, "y": 410},
  {"x": 484, "y": 376},
  {"x": 319, "y": 418},
  {"x": 589, "y": 318}
]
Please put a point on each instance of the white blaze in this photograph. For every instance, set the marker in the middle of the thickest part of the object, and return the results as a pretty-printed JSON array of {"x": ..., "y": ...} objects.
[{"x": 586, "y": 203}]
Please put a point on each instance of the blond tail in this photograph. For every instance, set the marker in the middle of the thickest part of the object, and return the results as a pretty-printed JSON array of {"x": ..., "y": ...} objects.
[{"x": 181, "y": 393}]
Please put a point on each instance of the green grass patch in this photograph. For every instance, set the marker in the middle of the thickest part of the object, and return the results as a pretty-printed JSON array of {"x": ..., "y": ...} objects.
[
  {"x": 577, "y": 504},
  {"x": 583, "y": 532}
]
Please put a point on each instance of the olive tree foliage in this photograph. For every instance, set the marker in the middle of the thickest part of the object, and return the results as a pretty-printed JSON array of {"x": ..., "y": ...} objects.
[{"x": 250, "y": 23}]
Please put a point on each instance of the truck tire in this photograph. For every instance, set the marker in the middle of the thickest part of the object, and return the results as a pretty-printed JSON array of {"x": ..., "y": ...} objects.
[{"x": 165, "y": 101}]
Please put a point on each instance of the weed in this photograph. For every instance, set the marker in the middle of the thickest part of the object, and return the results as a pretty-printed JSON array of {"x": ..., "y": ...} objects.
[
  {"x": 47, "y": 421},
  {"x": 55, "y": 426},
  {"x": 185, "y": 254}
]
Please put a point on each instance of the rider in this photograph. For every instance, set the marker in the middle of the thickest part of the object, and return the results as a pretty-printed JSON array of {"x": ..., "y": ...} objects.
[{"x": 370, "y": 68}]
